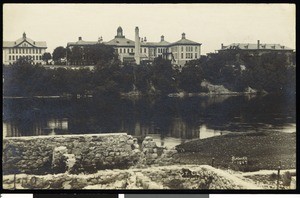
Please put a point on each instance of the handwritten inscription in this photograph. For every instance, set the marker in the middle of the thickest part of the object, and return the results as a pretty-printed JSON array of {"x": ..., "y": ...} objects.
[{"x": 239, "y": 160}]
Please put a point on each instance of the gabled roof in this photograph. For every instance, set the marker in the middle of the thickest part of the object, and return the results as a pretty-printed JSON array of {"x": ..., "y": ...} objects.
[
  {"x": 120, "y": 42},
  {"x": 251, "y": 46},
  {"x": 40, "y": 44},
  {"x": 185, "y": 41}
]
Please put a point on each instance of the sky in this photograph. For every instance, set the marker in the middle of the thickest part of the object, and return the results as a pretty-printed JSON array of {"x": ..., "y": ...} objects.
[{"x": 209, "y": 24}]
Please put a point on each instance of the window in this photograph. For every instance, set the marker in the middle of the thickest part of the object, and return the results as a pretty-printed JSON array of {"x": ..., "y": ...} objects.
[
  {"x": 23, "y": 51},
  {"x": 40, "y": 57},
  {"x": 40, "y": 51},
  {"x": 37, "y": 57},
  {"x": 17, "y": 57},
  {"x": 13, "y": 51},
  {"x": 131, "y": 50},
  {"x": 195, "y": 55},
  {"x": 181, "y": 55},
  {"x": 145, "y": 50},
  {"x": 182, "y": 49},
  {"x": 195, "y": 48},
  {"x": 26, "y": 50},
  {"x": 9, "y": 58},
  {"x": 191, "y": 55},
  {"x": 13, "y": 57},
  {"x": 141, "y": 50},
  {"x": 33, "y": 58}
]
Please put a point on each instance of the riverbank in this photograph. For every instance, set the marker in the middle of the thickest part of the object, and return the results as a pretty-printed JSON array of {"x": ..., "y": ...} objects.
[{"x": 263, "y": 150}]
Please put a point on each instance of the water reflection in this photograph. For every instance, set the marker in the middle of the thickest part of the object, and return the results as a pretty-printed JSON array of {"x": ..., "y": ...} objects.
[{"x": 169, "y": 121}]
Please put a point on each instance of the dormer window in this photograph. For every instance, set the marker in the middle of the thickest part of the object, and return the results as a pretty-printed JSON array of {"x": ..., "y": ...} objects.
[
  {"x": 117, "y": 41},
  {"x": 128, "y": 42}
]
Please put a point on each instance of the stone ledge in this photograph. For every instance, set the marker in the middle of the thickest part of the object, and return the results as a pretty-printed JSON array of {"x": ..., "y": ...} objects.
[{"x": 63, "y": 136}]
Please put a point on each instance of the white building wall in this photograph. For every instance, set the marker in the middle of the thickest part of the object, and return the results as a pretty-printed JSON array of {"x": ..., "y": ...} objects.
[{"x": 16, "y": 53}]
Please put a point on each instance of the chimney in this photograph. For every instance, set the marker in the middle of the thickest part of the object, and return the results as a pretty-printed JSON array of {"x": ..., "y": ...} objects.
[
  {"x": 145, "y": 39},
  {"x": 137, "y": 46},
  {"x": 100, "y": 39},
  {"x": 258, "y": 44},
  {"x": 183, "y": 36},
  {"x": 24, "y": 35},
  {"x": 222, "y": 46},
  {"x": 79, "y": 38},
  {"x": 162, "y": 38},
  {"x": 142, "y": 40}
]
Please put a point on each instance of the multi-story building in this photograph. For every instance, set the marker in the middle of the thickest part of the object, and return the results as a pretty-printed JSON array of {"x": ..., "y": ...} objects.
[
  {"x": 23, "y": 47},
  {"x": 252, "y": 49},
  {"x": 140, "y": 49}
]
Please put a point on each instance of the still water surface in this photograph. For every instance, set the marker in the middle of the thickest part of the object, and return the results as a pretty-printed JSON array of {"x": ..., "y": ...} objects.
[{"x": 170, "y": 121}]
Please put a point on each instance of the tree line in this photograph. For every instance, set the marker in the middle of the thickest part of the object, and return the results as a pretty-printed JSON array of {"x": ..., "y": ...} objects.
[{"x": 268, "y": 72}]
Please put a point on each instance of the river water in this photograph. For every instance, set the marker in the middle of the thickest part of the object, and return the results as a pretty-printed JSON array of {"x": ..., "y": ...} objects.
[{"x": 170, "y": 121}]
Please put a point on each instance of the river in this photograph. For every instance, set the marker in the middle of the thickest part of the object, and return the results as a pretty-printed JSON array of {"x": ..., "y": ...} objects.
[{"x": 170, "y": 121}]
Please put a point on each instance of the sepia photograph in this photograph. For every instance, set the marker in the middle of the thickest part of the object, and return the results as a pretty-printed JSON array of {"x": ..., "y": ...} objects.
[{"x": 149, "y": 97}]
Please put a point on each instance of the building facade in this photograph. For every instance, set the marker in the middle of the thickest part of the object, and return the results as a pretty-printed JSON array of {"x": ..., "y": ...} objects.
[
  {"x": 252, "y": 49},
  {"x": 23, "y": 47},
  {"x": 140, "y": 49}
]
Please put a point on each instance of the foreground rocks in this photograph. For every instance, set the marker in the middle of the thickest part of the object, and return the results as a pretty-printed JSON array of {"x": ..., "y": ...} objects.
[
  {"x": 77, "y": 154},
  {"x": 164, "y": 177}
]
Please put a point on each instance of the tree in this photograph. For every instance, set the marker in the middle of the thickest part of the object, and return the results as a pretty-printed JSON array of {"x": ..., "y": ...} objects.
[
  {"x": 75, "y": 55},
  {"x": 162, "y": 75},
  {"x": 46, "y": 57},
  {"x": 58, "y": 54},
  {"x": 191, "y": 77}
]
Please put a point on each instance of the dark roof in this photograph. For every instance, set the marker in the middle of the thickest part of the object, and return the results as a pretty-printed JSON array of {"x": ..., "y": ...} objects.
[
  {"x": 154, "y": 44},
  {"x": 120, "y": 42},
  {"x": 81, "y": 42},
  {"x": 251, "y": 46},
  {"x": 185, "y": 41},
  {"x": 40, "y": 44}
]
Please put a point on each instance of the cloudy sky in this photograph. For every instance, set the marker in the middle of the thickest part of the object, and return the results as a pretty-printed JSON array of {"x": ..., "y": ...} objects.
[{"x": 209, "y": 24}]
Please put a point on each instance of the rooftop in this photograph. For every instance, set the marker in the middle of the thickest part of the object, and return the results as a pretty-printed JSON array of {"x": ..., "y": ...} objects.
[
  {"x": 40, "y": 44},
  {"x": 252, "y": 46}
]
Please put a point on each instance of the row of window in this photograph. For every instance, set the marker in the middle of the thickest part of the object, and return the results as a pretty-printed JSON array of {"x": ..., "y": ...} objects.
[
  {"x": 187, "y": 56},
  {"x": 125, "y": 50},
  {"x": 130, "y": 50},
  {"x": 187, "y": 48},
  {"x": 159, "y": 50},
  {"x": 162, "y": 50},
  {"x": 31, "y": 57},
  {"x": 25, "y": 51}
]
